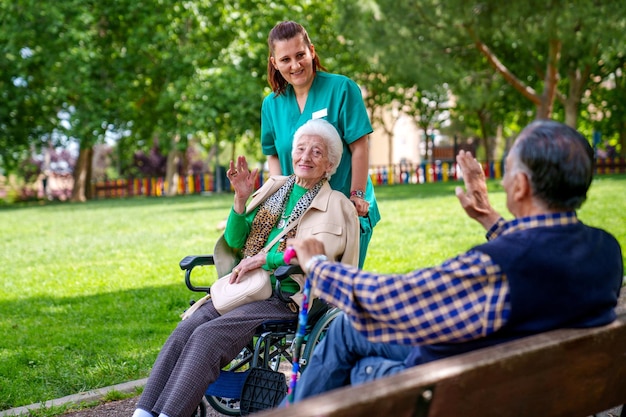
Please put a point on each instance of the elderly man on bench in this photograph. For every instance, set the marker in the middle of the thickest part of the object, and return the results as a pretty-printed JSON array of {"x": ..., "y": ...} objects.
[{"x": 541, "y": 271}]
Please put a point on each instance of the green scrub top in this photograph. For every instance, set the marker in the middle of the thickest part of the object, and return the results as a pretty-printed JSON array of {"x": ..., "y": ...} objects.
[{"x": 332, "y": 97}]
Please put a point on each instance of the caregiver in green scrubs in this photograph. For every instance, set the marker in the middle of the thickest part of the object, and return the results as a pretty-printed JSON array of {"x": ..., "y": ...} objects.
[{"x": 302, "y": 89}]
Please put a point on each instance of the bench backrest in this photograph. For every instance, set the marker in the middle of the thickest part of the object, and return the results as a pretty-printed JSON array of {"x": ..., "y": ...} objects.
[{"x": 568, "y": 372}]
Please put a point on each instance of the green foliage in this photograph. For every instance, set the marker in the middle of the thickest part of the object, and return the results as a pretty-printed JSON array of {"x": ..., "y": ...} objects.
[
  {"x": 171, "y": 71},
  {"x": 433, "y": 43},
  {"x": 29, "y": 96},
  {"x": 148, "y": 71},
  {"x": 91, "y": 291},
  {"x": 610, "y": 117}
]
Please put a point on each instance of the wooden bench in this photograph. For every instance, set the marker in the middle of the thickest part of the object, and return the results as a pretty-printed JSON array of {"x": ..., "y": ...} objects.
[{"x": 569, "y": 372}]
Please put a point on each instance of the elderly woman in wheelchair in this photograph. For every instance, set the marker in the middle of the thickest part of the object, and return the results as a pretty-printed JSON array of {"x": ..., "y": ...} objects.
[{"x": 206, "y": 341}]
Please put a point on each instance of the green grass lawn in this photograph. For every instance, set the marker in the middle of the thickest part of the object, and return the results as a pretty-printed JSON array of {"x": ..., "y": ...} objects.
[{"x": 91, "y": 291}]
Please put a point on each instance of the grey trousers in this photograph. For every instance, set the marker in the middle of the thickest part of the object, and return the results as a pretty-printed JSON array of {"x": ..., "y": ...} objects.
[{"x": 197, "y": 349}]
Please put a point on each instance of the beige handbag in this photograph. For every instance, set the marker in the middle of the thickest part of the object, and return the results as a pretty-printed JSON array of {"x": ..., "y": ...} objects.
[{"x": 253, "y": 285}]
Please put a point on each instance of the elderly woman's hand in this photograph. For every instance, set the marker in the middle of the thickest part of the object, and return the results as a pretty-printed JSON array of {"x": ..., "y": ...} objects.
[
  {"x": 243, "y": 181},
  {"x": 246, "y": 265},
  {"x": 362, "y": 206}
]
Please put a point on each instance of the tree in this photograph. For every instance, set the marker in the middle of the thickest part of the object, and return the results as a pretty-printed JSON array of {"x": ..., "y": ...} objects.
[
  {"x": 31, "y": 97},
  {"x": 109, "y": 66},
  {"x": 551, "y": 53},
  {"x": 488, "y": 108},
  {"x": 562, "y": 40},
  {"x": 155, "y": 50},
  {"x": 607, "y": 114},
  {"x": 163, "y": 71},
  {"x": 383, "y": 103},
  {"x": 426, "y": 108}
]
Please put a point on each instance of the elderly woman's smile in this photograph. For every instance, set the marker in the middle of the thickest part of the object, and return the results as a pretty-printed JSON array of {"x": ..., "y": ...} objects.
[{"x": 310, "y": 160}]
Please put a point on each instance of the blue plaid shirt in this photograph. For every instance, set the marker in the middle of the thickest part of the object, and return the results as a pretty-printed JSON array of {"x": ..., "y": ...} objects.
[{"x": 464, "y": 298}]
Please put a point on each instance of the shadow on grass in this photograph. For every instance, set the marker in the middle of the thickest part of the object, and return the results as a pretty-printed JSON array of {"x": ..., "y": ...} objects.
[{"x": 54, "y": 347}]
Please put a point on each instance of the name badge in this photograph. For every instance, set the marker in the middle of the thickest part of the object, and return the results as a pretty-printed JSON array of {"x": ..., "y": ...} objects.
[{"x": 319, "y": 114}]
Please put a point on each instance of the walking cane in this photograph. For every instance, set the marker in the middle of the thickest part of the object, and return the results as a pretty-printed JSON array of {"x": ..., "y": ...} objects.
[{"x": 290, "y": 253}]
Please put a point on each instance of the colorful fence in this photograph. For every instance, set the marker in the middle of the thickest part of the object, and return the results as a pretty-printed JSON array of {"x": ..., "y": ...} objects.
[
  {"x": 152, "y": 187},
  {"x": 381, "y": 175},
  {"x": 611, "y": 165},
  {"x": 448, "y": 171},
  {"x": 427, "y": 172}
]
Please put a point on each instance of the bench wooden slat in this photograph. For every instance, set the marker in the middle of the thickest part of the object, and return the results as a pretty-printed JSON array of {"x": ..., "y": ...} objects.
[{"x": 526, "y": 377}]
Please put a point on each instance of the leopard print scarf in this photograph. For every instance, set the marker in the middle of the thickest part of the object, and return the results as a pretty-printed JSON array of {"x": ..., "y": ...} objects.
[{"x": 270, "y": 213}]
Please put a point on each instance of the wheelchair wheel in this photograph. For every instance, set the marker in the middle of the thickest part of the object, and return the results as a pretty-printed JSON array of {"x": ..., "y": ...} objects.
[
  {"x": 226, "y": 406},
  {"x": 317, "y": 334}
]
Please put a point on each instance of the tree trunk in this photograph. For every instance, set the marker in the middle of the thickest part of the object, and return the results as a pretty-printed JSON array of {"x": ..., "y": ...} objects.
[
  {"x": 499, "y": 147},
  {"x": 482, "y": 117},
  {"x": 544, "y": 103},
  {"x": 217, "y": 176},
  {"x": 82, "y": 176},
  {"x": 385, "y": 122},
  {"x": 171, "y": 172},
  {"x": 550, "y": 81},
  {"x": 571, "y": 111},
  {"x": 390, "y": 138},
  {"x": 544, "y": 108},
  {"x": 171, "y": 168},
  {"x": 382, "y": 118},
  {"x": 622, "y": 140},
  {"x": 427, "y": 157},
  {"x": 577, "y": 80}
]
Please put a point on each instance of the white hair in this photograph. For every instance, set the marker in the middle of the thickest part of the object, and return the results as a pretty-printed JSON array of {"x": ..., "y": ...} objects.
[{"x": 326, "y": 131}]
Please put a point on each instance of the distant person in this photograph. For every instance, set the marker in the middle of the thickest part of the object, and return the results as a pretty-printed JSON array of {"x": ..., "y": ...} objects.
[
  {"x": 541, "y": 271},
  {"x": 302, "y": 90},
  {"x": 206, "y": 341}
]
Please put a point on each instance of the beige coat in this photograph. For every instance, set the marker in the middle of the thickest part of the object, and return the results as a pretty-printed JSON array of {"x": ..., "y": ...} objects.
[{"x": 331, "y": 218}]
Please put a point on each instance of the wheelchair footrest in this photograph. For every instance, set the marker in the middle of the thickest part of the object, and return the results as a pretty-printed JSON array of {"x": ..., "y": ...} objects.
[
  {"x": 228, "y": 384},
  {"x": 263, "y": 389}
]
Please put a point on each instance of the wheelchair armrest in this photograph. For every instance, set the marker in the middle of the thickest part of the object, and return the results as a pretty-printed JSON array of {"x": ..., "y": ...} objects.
[
  {"x": 188, "y": 263},
  {"x": 284, "y": 271},
  {"x": 281, "y": 273}
]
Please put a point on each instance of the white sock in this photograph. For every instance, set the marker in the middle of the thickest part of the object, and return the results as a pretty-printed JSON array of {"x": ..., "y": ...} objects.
[
  {"x": 163, "y": 415},
  {"x": 141, "y": 413}
]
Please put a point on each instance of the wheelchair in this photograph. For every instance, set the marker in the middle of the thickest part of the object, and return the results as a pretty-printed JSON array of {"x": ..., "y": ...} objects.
[{"x": 270, "y": 352}]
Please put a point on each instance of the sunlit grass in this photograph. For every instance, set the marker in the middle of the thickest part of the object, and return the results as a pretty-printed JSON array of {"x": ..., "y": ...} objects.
[{"x": 91, "y": 291}]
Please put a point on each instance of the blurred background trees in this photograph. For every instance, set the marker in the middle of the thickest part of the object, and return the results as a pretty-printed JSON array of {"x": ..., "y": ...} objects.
[{"x": 176, "y": 86}]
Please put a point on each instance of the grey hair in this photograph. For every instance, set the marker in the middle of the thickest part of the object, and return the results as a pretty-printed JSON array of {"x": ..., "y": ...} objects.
[
  {"x": 326, "y": 131},
  {"x": 558, "y": 160},
  {"x": 517, "y": 165}
]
